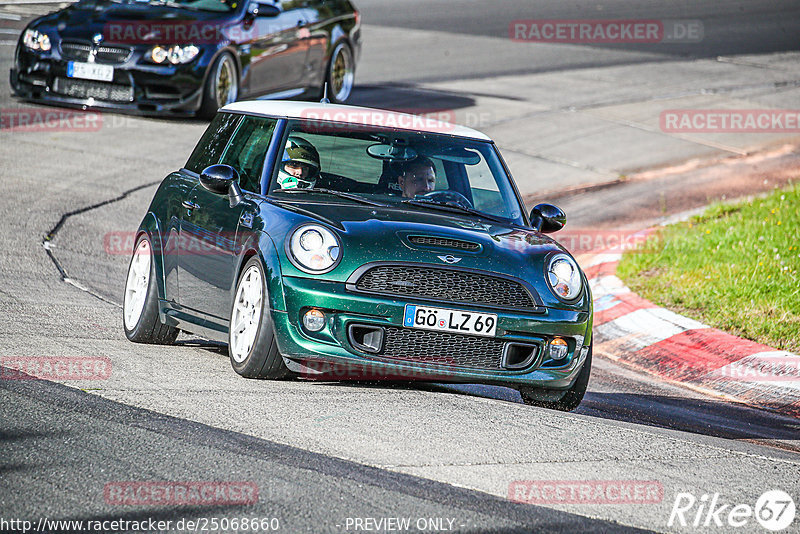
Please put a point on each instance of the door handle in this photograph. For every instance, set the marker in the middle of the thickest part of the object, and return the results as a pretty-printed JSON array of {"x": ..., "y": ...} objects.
[{"x": 189, "y": 205}]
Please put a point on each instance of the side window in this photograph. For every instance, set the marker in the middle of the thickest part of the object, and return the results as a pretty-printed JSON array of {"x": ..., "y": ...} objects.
[
  {"x": 209, "y": 149},
  {"x": 247, "y": 150}
]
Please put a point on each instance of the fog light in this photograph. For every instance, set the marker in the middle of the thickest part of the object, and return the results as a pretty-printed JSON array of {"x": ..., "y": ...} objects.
[
  {"x": 558, "y": 349},
  {"x": 314, "y": 320}
]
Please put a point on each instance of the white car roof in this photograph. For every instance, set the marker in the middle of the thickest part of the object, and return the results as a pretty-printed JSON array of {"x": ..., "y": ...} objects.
[{"x": 352, "y": 115}]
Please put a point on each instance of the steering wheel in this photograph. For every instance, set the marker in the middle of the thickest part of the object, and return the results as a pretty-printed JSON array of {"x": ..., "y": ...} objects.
[{"x": 453, "y": 198}]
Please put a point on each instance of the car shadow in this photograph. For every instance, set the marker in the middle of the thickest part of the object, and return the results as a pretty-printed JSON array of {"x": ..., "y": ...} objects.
[
  {"x": 440, "y": 105},
  {"x": 708, "y": 417},
  {"x": 199, "y": 343},
  {"x": 704, "y": 416}
]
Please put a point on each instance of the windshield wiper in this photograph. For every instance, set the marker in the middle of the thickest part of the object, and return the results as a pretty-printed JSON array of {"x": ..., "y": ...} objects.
[
  {"x": 456, "y": 208},
  {"x": 340, "y": 194}
]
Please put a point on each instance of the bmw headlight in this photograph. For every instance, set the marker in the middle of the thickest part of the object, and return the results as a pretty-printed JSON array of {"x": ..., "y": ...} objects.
[
  {"x": 36, "y": 40},
  {"x": 314, "y": 249},
  {"x": 564, "y": 277},
  {"x": 177, "y": 54}
]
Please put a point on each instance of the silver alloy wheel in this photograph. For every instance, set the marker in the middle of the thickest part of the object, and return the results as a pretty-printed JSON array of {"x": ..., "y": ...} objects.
[
  {"x": 342, "y": 73},
  {"x": 246, "y": 314},
  {"x": 137, "y": 285},
  {"x": 226, "y": 84}
]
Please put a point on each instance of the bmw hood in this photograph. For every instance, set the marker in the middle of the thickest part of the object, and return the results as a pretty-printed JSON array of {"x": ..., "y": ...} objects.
[{"x": 128, "y": 23}]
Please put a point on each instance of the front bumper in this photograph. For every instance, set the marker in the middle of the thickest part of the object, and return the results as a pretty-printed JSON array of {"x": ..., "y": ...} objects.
[
  {"x": 332, "y": 354},
  {"x": 136, "y": 87}
]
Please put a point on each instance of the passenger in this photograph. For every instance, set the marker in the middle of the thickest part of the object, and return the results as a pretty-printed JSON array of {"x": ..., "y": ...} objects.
[{"x": 300, "y": 165}]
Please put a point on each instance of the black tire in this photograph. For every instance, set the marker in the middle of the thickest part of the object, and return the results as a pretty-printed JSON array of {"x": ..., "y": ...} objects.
[
  {"x": 212, "y": 100},
  {"x": 341, "y": 51},
  {"x": 570, "y": 399},
  {"x": 148, "y": 328},
  {"x": 263, "y": 360}
]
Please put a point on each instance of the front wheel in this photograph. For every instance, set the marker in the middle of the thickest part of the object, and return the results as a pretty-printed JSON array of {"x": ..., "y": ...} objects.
[
  {"x": 221, "y": 87},
  {"x": 140, "y": 302},
  {"x": 251, "y": 334},
  {"x": 341, "y": 74},
  {"x": 566, "y": 400}
]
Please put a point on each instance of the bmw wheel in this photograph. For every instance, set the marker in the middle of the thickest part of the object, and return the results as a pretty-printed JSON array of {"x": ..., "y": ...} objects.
[
  {"x": 221, "y": 87},
  {"x": 341, "y": 74},
  {"x": 140, "y": 302},
  {"x": 565, "y": 401},
  {"x": 251, "y": 335}
]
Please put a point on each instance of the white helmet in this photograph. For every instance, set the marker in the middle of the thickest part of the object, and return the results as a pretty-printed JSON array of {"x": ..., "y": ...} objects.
[{"x": 299, "y": 153}]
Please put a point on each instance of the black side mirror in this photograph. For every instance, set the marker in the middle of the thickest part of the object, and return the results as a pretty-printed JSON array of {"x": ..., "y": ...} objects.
[
  {"x": 548, "y": 218},
  {"x": 257, "y": 9},
  {"x": 222, "y": 180}
]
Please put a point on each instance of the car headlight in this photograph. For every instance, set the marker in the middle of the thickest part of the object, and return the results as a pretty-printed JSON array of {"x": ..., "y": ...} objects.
[
  {"x": 177, "y": 54},
  {"x": 36, "y": 40},
  {"x": 564, "y": 277},
  {"x": 314, "y": 248}
]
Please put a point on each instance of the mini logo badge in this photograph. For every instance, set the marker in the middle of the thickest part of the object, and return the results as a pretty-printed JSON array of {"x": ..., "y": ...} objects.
[
  {"x": 449, "y": 259},
  {"x": 98, "y": 38}
]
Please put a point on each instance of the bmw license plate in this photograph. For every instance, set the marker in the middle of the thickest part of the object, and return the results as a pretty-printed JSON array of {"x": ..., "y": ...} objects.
[
  {"x": 446, "y": 320},
  {"x": 90, "y": 71}
]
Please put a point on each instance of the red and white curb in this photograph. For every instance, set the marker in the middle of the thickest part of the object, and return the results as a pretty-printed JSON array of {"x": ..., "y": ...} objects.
[{"x": 636, "y": 332}]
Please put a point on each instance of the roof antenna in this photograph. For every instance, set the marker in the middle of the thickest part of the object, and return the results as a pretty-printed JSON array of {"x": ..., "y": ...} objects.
[{"x": 325, "y": 94}]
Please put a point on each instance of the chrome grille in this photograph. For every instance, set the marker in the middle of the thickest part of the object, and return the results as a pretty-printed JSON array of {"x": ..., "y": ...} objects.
[
  {"x": 109, "y": 55},
  {"x": 90, "y": 89},
  {"x": 444, "y": 284},
  {"x": 444, "y": 242},
  {"x": 442, "y": 348}
]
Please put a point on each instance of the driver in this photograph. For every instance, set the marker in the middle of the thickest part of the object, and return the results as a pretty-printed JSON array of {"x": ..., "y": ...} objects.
[
  {"x": 416, "y": 177},
  {"x": 300, "y": 165}
]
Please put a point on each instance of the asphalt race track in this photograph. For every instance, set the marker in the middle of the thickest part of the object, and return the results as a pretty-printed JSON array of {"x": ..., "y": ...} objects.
[{"x": 324, "y": 455}]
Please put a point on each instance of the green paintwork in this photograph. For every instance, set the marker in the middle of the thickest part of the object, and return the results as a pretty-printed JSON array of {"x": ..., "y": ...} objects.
[{"x": 204, "y": 249}]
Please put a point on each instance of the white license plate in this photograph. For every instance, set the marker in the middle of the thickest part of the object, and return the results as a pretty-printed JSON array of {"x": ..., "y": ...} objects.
[
  {"x": 90, "y": 71},
  {"x": 446, "y": 320}
]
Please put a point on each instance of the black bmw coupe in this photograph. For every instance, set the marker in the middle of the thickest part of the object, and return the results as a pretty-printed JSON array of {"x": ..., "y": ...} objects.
[{"x": 187, "y": 57}]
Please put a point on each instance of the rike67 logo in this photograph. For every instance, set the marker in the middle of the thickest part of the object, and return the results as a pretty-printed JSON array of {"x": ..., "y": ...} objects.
[{"x": 774, "y": 510}]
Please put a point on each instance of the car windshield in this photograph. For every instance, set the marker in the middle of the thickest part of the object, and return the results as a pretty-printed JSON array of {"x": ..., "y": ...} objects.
[
  {"x": 403, "y": 169},
  {"x": 200, "y": 5}
]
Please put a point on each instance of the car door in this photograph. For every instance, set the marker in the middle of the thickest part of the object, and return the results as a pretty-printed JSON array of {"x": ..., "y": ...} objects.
[
  {"x": 318, "y": 15},
  {"x": 213, "y": 232},
  {"x": 275, "y": 51}
]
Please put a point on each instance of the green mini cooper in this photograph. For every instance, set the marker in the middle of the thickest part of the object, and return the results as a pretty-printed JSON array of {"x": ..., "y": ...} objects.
[{"x": 336, "y": 242}]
